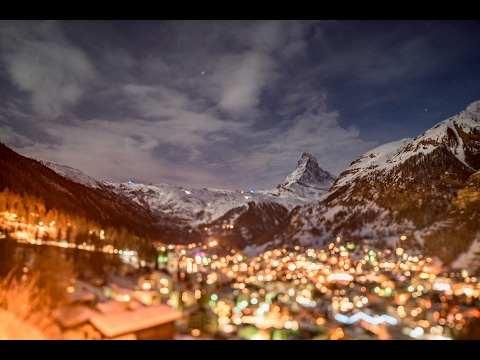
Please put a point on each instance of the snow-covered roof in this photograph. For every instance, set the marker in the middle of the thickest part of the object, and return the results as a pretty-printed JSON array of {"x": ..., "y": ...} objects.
[
  {"x": 113, "y": 306},
  {"x": 71, "y": 316},
  {"x": 119, "y": 323}
]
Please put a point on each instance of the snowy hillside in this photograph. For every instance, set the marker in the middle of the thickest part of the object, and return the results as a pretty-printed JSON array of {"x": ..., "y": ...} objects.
[
  {"x": 71, "y": 173},
  {"x": 247, "y": 215},
  {"x": 423, "y": 190},
  {"x": 306, "y": 184}
]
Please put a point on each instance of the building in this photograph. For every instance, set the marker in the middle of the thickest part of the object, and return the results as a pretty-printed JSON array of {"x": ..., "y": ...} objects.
[{"x": 155, "y": 322}]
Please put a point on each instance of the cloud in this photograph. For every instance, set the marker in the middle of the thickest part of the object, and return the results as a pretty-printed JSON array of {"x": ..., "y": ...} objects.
[
  {"x": 381, "y": 53},
  {"x": 227, "y": 104},
  {"x": 168, "y": 121},
  {"x": 236, "y": 62},
  {"x": 9, "y": 136},
  {"x": 317, "y": 131},
  {"x": 243, "y": 84},
  {"x": 41, "y": 61}
]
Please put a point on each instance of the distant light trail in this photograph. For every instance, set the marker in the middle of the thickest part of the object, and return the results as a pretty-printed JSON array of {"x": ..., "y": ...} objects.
[
  {"x": 374, "y": 320},
  {"x": 340, "y": 277}
]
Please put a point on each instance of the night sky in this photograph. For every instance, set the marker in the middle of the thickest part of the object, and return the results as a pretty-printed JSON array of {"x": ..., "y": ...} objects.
[{"x": 227, "y": 104}]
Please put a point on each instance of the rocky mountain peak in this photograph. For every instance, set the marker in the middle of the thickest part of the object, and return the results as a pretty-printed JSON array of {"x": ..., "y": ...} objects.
[
  {"x": 309, "y": 174},
  {"x": 306, "y": 156},
  {"x": 471, "y": 111}
]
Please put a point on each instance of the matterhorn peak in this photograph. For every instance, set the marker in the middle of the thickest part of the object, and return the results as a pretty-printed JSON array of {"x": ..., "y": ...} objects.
[
  {"x": 309, "y": 175},
  {"x": 307, "y": 156}
]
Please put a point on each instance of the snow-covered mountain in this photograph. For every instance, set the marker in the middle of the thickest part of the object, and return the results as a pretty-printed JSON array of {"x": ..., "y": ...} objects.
[
  {"x": 236, "y": 216},
  {"x": 308, "y": 181},
  {"x": 425, "y": 189},
  {"x": 420, "y": 193},
  {"x": 70, "y": 173}
]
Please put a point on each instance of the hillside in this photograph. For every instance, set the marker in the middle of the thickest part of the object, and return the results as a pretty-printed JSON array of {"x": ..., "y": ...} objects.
[{"x": 425, "y": 189}]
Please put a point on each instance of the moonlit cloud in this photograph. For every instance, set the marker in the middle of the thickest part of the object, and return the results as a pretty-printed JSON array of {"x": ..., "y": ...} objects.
[
  {"x": 226, "y": 104},
  {"x": 242, "y": 87},
  {"x": 43, "y": 63}
]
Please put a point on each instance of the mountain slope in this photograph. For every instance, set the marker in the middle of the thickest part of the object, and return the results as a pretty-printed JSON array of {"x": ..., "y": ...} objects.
[
  {"x": 68, "y": 172},
  {"x": 235, "y": 218},
  {"x": 408, "y": 187},
  {"x": 31, "y": 179}
]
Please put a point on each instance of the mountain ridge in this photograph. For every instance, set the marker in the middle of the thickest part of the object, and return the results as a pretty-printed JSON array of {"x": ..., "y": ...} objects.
[
  {"x": 247, "y": 214},
  {"x": 421, "y": 193},
  {"x": 403, "y": 188}
]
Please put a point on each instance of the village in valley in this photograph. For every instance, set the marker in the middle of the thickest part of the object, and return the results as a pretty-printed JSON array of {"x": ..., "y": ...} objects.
[{"x": 342, "y": 292}]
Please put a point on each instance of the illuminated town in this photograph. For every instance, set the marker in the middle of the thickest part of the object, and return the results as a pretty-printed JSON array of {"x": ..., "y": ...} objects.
[{"x": 342, "y": 292}]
